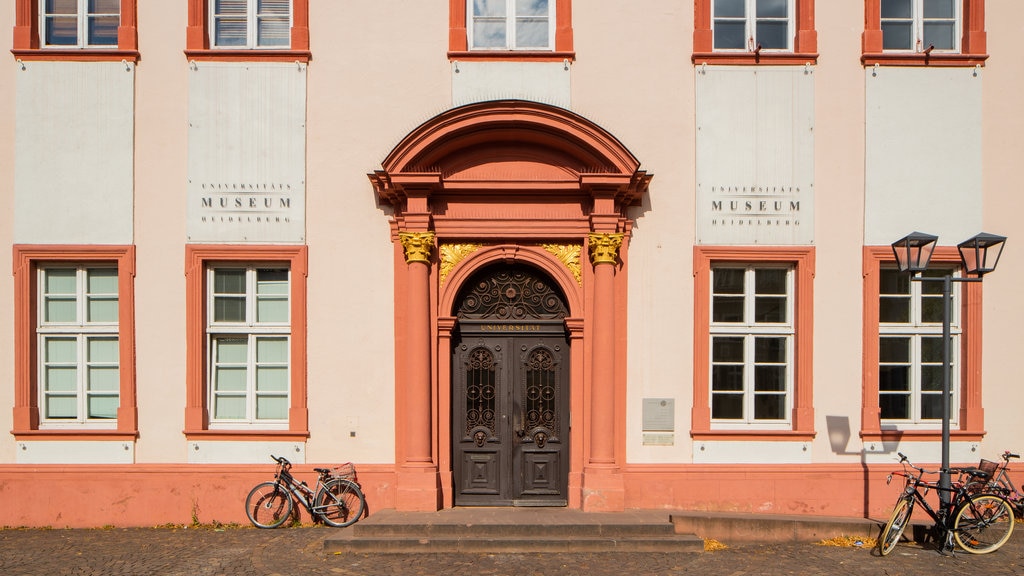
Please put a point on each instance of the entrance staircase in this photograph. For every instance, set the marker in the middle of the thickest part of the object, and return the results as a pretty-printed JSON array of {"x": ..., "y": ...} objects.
[{"x": 512, "y": 530}]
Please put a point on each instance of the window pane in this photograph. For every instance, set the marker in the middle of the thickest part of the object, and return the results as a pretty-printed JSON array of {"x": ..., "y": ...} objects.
[
  {"x": 234, "y": 7},
  {"x": 896, "y": 9},
  {"x": 897, "y": 36},
  {"x": 727, "y": 406},
  {"x": 939, "y": 9},
  {"x": 942, "y": 35},
  {"x": 61, "y": 407},
  {"x": 229, "y": 282},
  {"x": 531, "y": 7},
  {"x": 271, "y": 350},
  {"x": 103, "y": 31},
  {"x": 894, "y": 310},
  {"x": 273, "y": 281},
  {"x": 272, "y": 379},
  {"x": 730, "y": 35},
  {"x": 532, "y": 33},
  {"x": 104, "y": 379},
  {"x": 770, "y": 350},
  {"x": 274, "y": 31},
  {"x": 61, "y": 281},
  {"x": 102, "y": 310},
  {"x": 104, "y": 407},
  {"x": 730, "y": 8},
  {"x": 726, "y": 378},
  {"x": 229, "y": 32},
  {"x": 229, "y": 310},
  {"x": 727, "y": 350},
  {"x": 104, "y": 6},
  {"x": 61, "y": 310},
  {"x": 103, "y": 350},
  {"x": 279, "y": 7},
  {"x": 931, "y": 378},
  {"x": 728, "y": 280},
  {"x": 931, "y": 309},
  {"x": 894, "y": 406},
  {"x": 931, "y": 406},
  {"x": 769, "y": 407},
  {"x": 894, "y": 378},
  {"x": 64, "y": 350},
  {"x": 894, "y": 350},
  {"x": 271, "y": 408},
  {"x": 772, "y": 8},
  {"x": 894, "y": 282},
  {"x": 229, "y": 407},
  {"x": 770, "y": 281},
  {"x": 931, "y": 349},
  {"x": 61, "y": 379},
  {"x": 101, "y": 281},
  {"x": 272, "y": 310},
  {"x": 489, "y": 8},
  {"x": 727, "y": 309},
  {"x": 770, "y": 309},
  {"x": 229, "y": 379},
  {"x": 770, "y": 378},
  {"x": 773, "y": 35},
  {"x": 233, "y": 350},
  {"x": 489, "y": 34}
]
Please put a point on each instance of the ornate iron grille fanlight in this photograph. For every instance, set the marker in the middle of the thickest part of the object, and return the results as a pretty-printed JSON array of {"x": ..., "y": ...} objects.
[{"x": 511, "y": 294}]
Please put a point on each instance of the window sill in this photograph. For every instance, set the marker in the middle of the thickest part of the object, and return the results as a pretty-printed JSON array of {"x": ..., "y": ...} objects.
[
  {"x": 247, "y": 55},
  {"x": 68, "y": 434},
  {"x": 917, "y": 59},
  {"x": 511, "y": 56},
  {"x": 749, "y": 58},
  {"x": 76, "y": 55},
  {"x": 244, "y": 435},
  {"x": 753, "y": 435},
  {"x": 920, "y": 435}
]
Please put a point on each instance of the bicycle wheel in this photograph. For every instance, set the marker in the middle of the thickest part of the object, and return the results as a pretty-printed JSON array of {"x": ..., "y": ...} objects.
[
  {"x": 898, "y": 521},
  {"x": 339, "y": 503},
  {"x": 983, "y": 523},
  {"x": 268, "y": 505}
]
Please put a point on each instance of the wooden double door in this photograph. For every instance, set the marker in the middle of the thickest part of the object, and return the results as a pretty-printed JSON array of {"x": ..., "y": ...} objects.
[{"x": 510, "y": 413}]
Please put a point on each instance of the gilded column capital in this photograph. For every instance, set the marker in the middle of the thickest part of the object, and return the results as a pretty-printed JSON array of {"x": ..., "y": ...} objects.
[
  {"x": 604, "y": 248},
  {"x": 417, "y": 246}
]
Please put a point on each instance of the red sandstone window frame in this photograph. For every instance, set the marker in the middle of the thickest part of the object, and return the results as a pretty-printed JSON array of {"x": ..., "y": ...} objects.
[
  {"x": 971, "y": 425},
  {"x": 197, "y": 38},
  {"x": 805, "y": 40},
  {"x": 458, "y": 39},
  {"x": 973, "y": 40},
  {"x": 26, "y": 45},
  {"x": 198, "y": 259},
  {"x": 802, "y": 260},
  {"x": 27, "y": 260}
]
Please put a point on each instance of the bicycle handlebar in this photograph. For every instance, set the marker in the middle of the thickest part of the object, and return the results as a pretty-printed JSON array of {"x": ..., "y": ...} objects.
[
  {"x": 282, "y": 461},
  {"x": 1007, "y": 455}
]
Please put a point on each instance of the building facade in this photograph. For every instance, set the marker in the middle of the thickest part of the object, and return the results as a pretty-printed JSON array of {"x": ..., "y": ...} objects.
[{"x": 588, "y": 254}]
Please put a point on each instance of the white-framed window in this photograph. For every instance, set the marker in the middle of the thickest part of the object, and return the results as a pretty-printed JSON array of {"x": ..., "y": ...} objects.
[
  {"x": 920, "y": 25},
  {"x": 78, "y": 346},
  {"x": 79, "y": 23},
  {"x": 752, "y": 340},
  {"x": 511, "y": 24},
  {"x": 248, "y": 339},
  {"x": 250, "y": 23},
  {"x": 750, "y": 25},
  {"x": 910, "y": 349}
]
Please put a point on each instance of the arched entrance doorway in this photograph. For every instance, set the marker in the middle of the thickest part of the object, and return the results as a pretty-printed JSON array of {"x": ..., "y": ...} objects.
[
  {"x": 509, "y": 183},
  {"x": 510, "y": 390}
]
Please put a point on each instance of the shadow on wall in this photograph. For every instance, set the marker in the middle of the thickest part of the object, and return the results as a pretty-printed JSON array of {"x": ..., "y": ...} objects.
[{"x": 839, "y": 435}]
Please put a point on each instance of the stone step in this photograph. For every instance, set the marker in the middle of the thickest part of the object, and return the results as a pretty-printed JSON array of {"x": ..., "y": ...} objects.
[{"x": 511, "y": 530}]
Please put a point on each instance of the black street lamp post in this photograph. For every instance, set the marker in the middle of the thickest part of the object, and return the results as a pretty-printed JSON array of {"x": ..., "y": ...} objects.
[{"x": 979, "y": 255}]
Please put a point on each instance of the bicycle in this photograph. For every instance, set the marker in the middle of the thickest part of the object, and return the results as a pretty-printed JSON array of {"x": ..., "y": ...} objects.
[
  {"x": 998, "y": 482},
  {"x": 979, "y": 523},
  {"x": 337, "y": 499}
]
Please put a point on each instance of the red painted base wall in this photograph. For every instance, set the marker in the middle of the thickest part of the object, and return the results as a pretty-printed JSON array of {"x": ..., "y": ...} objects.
[{"x": 62, "y": 496}]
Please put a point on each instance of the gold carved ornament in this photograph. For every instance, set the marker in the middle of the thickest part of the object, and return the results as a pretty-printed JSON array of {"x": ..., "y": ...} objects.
[
  {"x": 417, "y": 246},
  {"x": 452, "y": 254},
  {"x": 604, "y": 248},
  {"x": 569, "y": 255}
]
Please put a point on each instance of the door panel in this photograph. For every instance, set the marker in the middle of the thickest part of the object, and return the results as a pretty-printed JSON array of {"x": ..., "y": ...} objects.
[{"x": 510, "y": 418}]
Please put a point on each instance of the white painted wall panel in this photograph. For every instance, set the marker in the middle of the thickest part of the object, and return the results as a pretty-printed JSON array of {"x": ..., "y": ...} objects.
[
  {"x": 76, "y": 452},
  {"x": 74, "y": 137},
  {"x": 235, "y": 452},
  {"x": 247, "y": 152},
  {"x": 547, "y": 82},
  {"x": 923, "y": 157},
  {"x": 755, "y": 155},
  {"x": 751, "y": 452}
]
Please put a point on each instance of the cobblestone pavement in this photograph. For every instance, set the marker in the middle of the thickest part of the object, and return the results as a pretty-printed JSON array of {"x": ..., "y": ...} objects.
[{"x": 287, "y": 551}]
